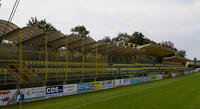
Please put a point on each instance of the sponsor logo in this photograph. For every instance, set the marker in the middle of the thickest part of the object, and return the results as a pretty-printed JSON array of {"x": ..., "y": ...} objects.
[{"x": 52, "y": 90}]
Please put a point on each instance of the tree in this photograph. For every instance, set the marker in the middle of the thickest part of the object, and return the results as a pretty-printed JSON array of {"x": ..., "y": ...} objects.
[
  {"x": 139, "y": 39},
  {"x": 80, "y": 31},
  {"x": 41, "y": 24},
  {"x": 107, "y": 39},
  {"x": 181, "y": 53},
  {"x": 195, "y": 60},
  {"x": 121, "y": 37}
]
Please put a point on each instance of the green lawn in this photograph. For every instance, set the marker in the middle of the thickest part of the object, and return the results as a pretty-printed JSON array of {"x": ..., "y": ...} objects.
[{"x": 178, "y": 93}]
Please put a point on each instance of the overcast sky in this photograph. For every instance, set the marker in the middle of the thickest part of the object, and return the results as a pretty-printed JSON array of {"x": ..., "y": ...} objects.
[{"x": 174, "y": 20}]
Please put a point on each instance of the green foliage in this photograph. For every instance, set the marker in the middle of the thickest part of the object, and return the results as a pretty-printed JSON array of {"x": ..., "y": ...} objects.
[
  {"x": 122, "y": 37},
  {"x": 181, "y": 53},
  {"x": 80, "y": 31},
  {"x": 136, "y": 38},
  {"x": 107, "y": 39},
  {"x": 139, "y": 39},
  {"x": 41, "y": 24}
]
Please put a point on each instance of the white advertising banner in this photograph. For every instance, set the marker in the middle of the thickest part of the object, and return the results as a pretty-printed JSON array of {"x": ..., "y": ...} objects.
[
  {"x": 119, "y": 82},
  {"x": 173, "y": 75},
  {"x": 70, "y": 89},
  {"x": 11, "y": 96},
  {"x": 107, "y": 84},
  {"x": 159, "y": 77},
  {"x": 31, "y": 93},
  {"x": 126, "y": 81}
]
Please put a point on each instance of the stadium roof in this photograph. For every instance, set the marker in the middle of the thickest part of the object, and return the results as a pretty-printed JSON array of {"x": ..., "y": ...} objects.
[
  {"x": 156, "y": 50},
  {"x": 32, "y": 35},
  {"x": 176, "y": 59}
]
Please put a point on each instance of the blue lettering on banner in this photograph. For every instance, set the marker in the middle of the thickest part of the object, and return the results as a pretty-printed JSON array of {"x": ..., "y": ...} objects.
[
  {"x": 54, "y": 90},
  {"x": 135, "y": 80},
  {"x": 83, "y": 87},
  {"x": 147, "y": 79}
]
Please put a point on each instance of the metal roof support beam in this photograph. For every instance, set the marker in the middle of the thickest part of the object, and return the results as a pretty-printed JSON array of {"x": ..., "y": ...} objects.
[
  {"x": 85, "y": 45},
  {"x": 71, "y": 43},
  {"x": 12, "y": 32},
  {"x": 122, "y": 50},
  {"x": 54, "y": 41},
  {"x": 90, "y": 49},
  {"x": 35, "y": 38}
]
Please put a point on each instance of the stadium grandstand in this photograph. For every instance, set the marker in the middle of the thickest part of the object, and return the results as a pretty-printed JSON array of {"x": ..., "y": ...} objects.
[{"x": 32, "y": 58}]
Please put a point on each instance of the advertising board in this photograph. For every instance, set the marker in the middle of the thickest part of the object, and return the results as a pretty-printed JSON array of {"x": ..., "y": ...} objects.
[
  {"x": 135, "y": 80},
  {"x": 126, "y": 81},
  {"x": 70, "y": 89},
  {"x": 11, "y": 97},
  {"x": 119, "y": 82},
  {"x": 153, "y": 77},
  {"x": 32, "y": 93},
  {"x": 159, "y": 77},
  {"x": 83, "y": 87},
  {"x": 146, "y": 79},
  {"x": 107, "y": 84},
  {"x": 94, "y": 86},
  {"x": 54, "y": 91},
  {"x": 173, "y": 75}
]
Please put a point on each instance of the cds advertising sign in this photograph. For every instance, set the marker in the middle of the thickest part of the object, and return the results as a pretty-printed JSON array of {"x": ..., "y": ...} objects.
[{"x": 54, "y": 91}]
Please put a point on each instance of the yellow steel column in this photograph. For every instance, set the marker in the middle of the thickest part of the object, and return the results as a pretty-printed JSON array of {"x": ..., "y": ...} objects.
[
  {"x": 5, "y": 71},
  {"x": 118, "y": 58},
  {"x": 66, "y": 53},
  {"x": 56, "y": 61},
  {"x": 111, "y": 59},
  {"x": 40, "y": 53},
  {"x": 19, "y": 59},
  {"x": 96, "y": 63},
  {"x": 46, "y": 63},
  {"x": 83, "y": 61}
]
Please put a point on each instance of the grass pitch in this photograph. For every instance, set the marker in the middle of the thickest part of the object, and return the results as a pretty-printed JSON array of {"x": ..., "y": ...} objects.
[{"x": 177, "y": 93}]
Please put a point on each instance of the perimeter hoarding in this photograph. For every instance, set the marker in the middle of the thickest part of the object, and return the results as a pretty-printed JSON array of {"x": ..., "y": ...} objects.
[
  {"x": 135, "y": 80},
  {"x": 159, "y": 77},
  {"x": 126, "y": 81},
  {"x": 11, "y": 97},
  {"x": 153, "y": 77},
  {"x": 147, "y": 79},
  {"x": 70, "y": 89},
  {"x": 119, "y": 82},
  {"x": 54, "y": 91},
  {"x": 173, "y": 75},
  {"x": 94, "y": 86},
  {"x": 83, "y": 87},
  {"x": 32, "y": 93},
  {"x": 107, "y": 84}
]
